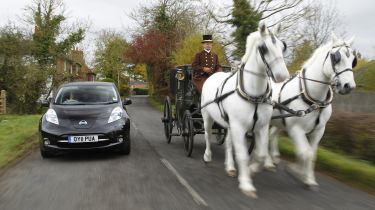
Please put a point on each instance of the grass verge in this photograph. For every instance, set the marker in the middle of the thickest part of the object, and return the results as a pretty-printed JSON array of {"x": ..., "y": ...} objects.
[
  {"x": 18, "y": 134},
  {"x": 156, "y": 103},
  {"x": 357, "y": 173}
]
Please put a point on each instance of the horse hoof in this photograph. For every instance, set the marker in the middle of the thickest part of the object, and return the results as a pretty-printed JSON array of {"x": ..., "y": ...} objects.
[
  {"x": 206, "y": 159},
  {"x": 270, "y": 168},
  {"x": 232, "y": 173},
  {"x": 250, "y": 193},
  {"x": 276, "y": 160},
  {"x": 313, "y": 188}
]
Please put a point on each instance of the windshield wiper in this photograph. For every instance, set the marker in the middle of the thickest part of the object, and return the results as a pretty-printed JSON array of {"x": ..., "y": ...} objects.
[{"x": 109, "y": 102}]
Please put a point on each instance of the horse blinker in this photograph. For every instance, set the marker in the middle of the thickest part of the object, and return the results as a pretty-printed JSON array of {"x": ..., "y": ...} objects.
[
  {"x": 336, "y": 57},
  {"x": 354, "y": 64},
  {"x": 263, "y": 49}
]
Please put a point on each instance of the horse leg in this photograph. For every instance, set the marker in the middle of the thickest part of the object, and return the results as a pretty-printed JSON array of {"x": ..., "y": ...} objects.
[
  {"x": 242, "y": 158},
  {"x": 273, "y": 155},
  {"x": 314, "y": 138},
  {"x": 304, "y": 153},
  {"x": 229, "y": 162},
  {"x": 208, "y": 122},
  {"x": 261, "y": 149},
  {"x": 274, "y": 147}
]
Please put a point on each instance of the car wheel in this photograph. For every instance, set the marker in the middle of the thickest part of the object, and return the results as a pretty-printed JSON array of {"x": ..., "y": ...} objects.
[
  {"x": 125, "y": 146},
  {"x": 46, "y": 154}
]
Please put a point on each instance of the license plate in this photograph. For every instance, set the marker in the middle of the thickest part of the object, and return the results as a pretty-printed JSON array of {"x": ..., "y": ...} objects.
[{"x": 82, "y": 139}]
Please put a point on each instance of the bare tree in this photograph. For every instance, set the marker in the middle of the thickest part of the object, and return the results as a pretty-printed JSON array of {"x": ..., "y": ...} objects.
[{"x": 317, "y": 27}]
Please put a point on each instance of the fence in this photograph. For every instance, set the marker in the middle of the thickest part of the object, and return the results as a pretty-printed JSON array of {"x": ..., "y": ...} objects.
[{"x": 3, "y": 102}]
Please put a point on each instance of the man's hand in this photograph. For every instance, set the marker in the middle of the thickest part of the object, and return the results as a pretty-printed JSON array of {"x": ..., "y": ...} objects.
[{"x": 206, "y": 69}]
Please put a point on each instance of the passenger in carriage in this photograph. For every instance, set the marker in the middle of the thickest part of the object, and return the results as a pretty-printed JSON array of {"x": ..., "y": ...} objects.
[{"x": 205, "y": 63}]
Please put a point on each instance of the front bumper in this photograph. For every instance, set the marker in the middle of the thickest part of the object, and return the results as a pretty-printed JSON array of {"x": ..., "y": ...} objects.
[{"x": 55, "y": 138}]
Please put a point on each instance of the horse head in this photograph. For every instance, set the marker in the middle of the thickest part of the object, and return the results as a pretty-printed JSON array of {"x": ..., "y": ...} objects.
[
  {"x": 271, "y": 51},
  {"x": 343, "y": 60}
]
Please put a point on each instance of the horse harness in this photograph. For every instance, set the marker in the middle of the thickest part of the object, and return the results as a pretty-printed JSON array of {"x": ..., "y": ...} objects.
[
  {"x": 305, "y": 96},
  {"x": 304, "y": 93},
  {"x": 264, "y": 98}
]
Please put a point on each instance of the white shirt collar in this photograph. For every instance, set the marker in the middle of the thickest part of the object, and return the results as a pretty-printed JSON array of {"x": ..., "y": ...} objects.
[{"x": 208, "y": 51}]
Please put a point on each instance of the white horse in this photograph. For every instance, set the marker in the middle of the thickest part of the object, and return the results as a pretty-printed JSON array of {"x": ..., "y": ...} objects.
[
  {"x": 331, "y": 64},
  {"x": 243, "y": 106}
]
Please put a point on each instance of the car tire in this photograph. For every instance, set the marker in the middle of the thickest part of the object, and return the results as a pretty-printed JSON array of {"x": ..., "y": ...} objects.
[
  {"x": 46, "y": 154},
  {"x": 125, "y": 146}
]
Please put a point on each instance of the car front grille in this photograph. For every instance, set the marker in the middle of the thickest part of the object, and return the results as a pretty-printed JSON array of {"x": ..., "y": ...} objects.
[{"x": 83, "y": 145}]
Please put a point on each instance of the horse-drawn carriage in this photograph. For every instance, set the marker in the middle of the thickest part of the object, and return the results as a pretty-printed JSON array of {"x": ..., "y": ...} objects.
[
  {"x": 182, "y": 109},
  {"x": 302, "y": 115}
]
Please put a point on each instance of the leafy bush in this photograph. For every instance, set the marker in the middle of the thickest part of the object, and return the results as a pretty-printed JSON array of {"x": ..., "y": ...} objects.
[
  {"x": 352, "y": 134},
  {"x": 365, "y": 76}
]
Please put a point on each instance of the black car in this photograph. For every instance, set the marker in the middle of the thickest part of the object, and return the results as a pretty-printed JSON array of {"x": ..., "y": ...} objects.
[{"x": 83, "y": 116}]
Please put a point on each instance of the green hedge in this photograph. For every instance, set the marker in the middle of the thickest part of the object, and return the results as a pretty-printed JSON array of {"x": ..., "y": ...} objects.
[
  {"x": 107, "y": 80},
  {"x": 140, "y": 91},
  {"x": 352, "y": 134}
]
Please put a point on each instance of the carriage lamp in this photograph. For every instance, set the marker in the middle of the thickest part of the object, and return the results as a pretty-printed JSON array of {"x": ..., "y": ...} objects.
[{"x": 180, "y": 75}]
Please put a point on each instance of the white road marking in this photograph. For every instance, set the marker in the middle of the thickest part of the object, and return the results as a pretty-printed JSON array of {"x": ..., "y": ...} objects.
[
  {"x": 197, "y": 198},
  {"x": 135, "y": 127}
]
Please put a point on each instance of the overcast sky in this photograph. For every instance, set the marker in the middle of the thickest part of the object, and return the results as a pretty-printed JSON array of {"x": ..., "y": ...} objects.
[{"x": 358, "y": 17}]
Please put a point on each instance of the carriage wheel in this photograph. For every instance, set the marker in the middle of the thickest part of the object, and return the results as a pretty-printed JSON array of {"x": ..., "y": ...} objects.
[
  {"x": 250, "y": 139},
  {"x": 167, "y": 120},
  {"x": 220, "y": 136},
  {"x": 188, "y": 133}
]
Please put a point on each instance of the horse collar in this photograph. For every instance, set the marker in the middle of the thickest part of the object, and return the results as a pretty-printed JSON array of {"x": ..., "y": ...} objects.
[
  {"x": 264, "y": 98},
  {"x": 306, "y": 97}
]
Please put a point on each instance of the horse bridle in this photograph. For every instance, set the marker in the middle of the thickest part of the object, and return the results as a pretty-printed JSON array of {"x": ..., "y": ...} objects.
[
  {"x": 262, "y": 51},
  {"x": 335, "y": 59},
  {"x": 264, "y": 98}
]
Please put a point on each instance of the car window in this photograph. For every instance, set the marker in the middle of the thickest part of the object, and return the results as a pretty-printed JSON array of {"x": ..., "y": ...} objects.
[{"x": 86, "y": 94}]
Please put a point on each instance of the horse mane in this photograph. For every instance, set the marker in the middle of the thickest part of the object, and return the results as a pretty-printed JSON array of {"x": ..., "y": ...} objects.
[
  {"x": 322, "y": 50},
  {"x": 250, "y": 42}
]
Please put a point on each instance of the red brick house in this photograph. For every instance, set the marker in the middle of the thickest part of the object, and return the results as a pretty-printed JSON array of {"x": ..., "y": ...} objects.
[{"x": 74, "y": 67}]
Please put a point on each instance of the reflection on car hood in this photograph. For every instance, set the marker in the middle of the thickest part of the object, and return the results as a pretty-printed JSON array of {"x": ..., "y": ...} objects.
[{"x": 83, "y": 116}]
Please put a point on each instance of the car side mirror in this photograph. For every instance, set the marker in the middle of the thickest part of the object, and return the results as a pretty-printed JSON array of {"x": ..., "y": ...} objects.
[
  {"x": 45, "y": 103},
  {"x": 127, "y": 101}
]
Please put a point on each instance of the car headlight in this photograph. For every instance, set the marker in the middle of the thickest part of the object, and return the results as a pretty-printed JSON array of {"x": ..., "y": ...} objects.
[
  {"x": 117, "y": 113},
  {"x": 51, "y": 116}
]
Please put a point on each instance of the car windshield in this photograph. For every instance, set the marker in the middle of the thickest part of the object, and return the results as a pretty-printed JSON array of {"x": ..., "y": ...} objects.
[{"x": 86, "y": 94}]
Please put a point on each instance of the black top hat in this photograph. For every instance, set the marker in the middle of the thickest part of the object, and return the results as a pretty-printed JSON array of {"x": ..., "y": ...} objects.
[{"x": 207, "y": 38}]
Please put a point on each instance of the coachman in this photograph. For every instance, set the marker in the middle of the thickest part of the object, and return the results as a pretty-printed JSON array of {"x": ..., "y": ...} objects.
[{"x": 205, "y": 63}]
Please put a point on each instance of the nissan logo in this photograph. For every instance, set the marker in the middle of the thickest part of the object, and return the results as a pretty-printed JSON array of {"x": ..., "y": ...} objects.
[{"x": 82, "y": 122}]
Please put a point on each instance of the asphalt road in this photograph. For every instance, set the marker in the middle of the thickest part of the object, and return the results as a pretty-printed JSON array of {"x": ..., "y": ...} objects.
[{"x": 158, "y": 176}]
